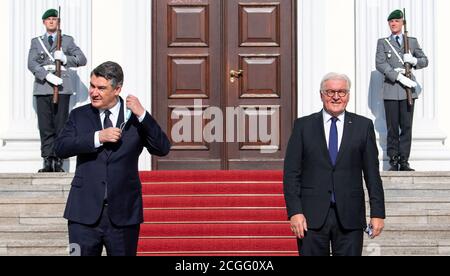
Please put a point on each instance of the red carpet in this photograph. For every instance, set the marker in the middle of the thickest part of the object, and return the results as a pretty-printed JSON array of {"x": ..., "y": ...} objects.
[{"x": 215, "y": 213}]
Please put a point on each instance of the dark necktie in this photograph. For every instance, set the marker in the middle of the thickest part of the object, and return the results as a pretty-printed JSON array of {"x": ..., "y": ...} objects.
[
  {"x": 333, "y": 148},
  {"x": 397, "y": 38},
  {"x": 333, "y": 142},
  {"x": 50, "y": 40},
  {"x": 107, "y": 123}
]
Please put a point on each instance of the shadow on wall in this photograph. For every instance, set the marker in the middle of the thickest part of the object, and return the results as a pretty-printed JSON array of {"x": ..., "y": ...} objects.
[{"x": 376, "y": 106}]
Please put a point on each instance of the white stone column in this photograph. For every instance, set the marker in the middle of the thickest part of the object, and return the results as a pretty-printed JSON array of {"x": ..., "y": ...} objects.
[
  {"x": 20, "y": 147},
  {"x": 326, "y": 40},
  {"x": 123, "y": 33},
  {"x": 428, "y": 151}
]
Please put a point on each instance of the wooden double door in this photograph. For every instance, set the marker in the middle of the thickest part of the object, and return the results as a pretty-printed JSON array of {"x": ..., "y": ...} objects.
[{"x": 224, "y": 82}]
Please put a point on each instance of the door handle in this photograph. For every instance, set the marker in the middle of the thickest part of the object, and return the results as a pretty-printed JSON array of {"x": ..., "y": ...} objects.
[{"x": 235, "y": 75}]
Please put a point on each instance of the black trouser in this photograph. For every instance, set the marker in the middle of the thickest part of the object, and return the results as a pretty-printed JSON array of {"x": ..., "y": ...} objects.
[
  {"x": 51, "y": 120},
  {"x": 343, "y": 242},
  {"x": 399, "y": 120},
  {"x": 90, "y": 239}
]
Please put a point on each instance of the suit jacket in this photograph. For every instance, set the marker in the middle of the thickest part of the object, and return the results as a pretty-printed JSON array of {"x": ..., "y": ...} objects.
[
  {"x": 309, "y": 175},
  {"x": 38, "y": 58},
  {"x": 114, "y": 168},
  {"x": 387, "y": 61}
]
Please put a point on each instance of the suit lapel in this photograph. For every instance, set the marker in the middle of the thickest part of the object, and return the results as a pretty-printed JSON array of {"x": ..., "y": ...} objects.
[
  {"x": 322, "y": 138},
  {"x": 121, "y": 117},
  {"x": 53, "y": 48},
  {"x": 95, "y": 119},
  {"x": 115, "y": 147},
  {"x": 45, "y": 40},
  {"x": 395, "y": 44},
  {"x": 346, "y": 136}
]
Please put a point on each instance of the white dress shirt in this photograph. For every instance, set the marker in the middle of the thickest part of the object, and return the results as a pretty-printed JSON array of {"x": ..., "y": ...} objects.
[
  {"x": 339, "y": 124},
  {"x": 53, "y": 35},
  {"x": 400, "y": 36},
  {"x": 114, "y": 117}
]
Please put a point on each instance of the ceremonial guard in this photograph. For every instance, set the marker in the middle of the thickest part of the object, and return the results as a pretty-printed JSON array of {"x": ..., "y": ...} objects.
[
  {"x": 43, "y": 61},
  {"x": 397, "y": 55}
]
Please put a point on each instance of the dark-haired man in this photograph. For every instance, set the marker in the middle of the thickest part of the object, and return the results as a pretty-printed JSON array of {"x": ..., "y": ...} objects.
[{"x": 105, "y": 207}]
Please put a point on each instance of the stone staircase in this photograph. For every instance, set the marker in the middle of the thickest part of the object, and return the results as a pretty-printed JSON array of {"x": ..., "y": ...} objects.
[
  {"x": 418, "y": 209},
  {"x": 31, "y": 208}
]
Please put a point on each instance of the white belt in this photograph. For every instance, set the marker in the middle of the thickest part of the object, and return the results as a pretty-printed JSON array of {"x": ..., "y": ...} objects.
[{"x": 52, "y": 68}]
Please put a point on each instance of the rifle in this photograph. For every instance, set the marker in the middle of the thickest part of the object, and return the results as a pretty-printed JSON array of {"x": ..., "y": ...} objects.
[
  {"x": 408, "y": 67},
  {"x": 58, "y": 62}
]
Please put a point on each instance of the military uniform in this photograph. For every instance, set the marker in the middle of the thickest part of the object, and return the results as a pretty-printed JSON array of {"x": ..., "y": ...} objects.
[
  {"x": 399, "y": 115},
  {"x": 51, "y": 118}
]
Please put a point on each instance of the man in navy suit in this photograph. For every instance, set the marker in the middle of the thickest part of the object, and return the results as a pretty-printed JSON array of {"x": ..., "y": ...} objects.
[
  {"x": 105, "y": 207},
  {"x": 327, "y": 155}
]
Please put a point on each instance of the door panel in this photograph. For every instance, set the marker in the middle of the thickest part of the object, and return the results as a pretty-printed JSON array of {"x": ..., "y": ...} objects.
[
  {"x": 197, "y": 44},
  {"x": 260, "y": 44},
  {"x": 187, "y": 67}
]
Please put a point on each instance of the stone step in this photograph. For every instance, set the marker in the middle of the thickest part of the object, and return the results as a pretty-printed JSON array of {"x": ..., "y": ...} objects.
[
  {"x": 43, "y": 221},
  {"x": 34, "y": 188},
  {"x": 413, "y": 193},
  {"x": 9, "y": 238},
  {"x": 22, "y": 228},
  {"x": 381, "y": 246},
  {"x": 35, "y": 179},
  {"x": 374, "y": 250},
  {"x": 420, "y": 216},
  {"x": 415, "y": 186},
  {"x": 31, "y": 210},
  {"x": 415, "y": 179},
  {"x": 49, "y": 242},
  {"x": 35, "y": 247},
  {"x": 35, "y": 251},
  {"x": 31, "y": 200}
]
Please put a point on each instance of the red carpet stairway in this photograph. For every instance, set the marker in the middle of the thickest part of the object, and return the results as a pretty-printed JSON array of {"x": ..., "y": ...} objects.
[{"x": 215, "y": 213}]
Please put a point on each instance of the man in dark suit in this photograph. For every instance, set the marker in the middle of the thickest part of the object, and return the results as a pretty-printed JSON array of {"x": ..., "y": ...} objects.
[
  {"x": 327, "y": 155},
  {"x": 105, "y": 207}
]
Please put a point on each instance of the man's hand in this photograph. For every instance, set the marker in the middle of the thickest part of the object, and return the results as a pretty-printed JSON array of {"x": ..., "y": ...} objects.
[
  {"x": 377, "y": 226},
  {"x": 53, "y": 79},
  {"x": 110, "y": 135},
  {"x": 408, "y": 58},
  {"x": 135, "y": 106},
  {"x": 59, "y": 55},
  {"x": 406, "y": 81},
  {"x": 299, "y": 226}
]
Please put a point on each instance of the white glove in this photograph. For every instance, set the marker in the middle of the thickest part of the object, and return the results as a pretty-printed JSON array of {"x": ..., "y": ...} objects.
[
  {"x": 408, "y": 58},
  {"x": 53, "y": 79},
  {"x": 406, "y": 81},
  {"x": 400, "y": 70},
  {"x": 59, "y": 55}
]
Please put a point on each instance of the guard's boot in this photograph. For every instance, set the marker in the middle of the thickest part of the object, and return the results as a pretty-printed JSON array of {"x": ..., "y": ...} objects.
[
  {"x": 48, "y": 165},
  {"x": 58, "y": 164},
  {"x": 404, "y": 165},
  {"x": 394, "y": 162}
]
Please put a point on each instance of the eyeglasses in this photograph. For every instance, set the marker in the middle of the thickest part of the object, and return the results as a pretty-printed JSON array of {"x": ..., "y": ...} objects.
[{"x": 330, "y": 93}]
